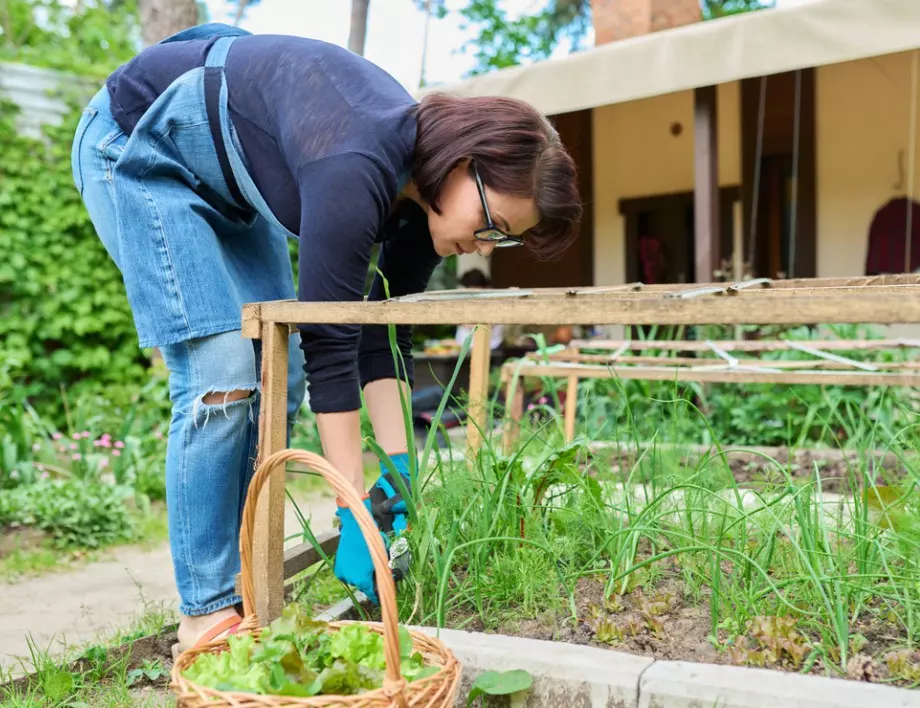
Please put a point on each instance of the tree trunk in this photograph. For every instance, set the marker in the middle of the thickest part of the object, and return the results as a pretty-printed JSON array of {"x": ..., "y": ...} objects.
[
  {"x": 421, "y": 79},
  {"x": 240, "y": 9},
  {"x": 358, "y": 31},
  {"x": 162, "y": 18}
]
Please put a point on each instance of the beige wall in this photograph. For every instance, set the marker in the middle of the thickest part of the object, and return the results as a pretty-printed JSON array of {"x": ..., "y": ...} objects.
[
  {"x": 863, "y": 120},
  {"x": 636, "y": 155}
]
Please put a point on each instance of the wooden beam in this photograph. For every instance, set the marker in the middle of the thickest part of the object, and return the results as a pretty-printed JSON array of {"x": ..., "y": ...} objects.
[
  {"x": 743, "y": 345},
  {"x": 268, "y": 535},
  {"x": 858, "y": 307},
  {"x": 707, "y": 375},
  {"x": 304, "y": 555},
  {"x": 707, "y": 232}
]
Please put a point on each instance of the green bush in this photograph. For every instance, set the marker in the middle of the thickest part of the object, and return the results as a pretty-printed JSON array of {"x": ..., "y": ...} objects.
[
  {"x": 64, "y": 315},
  {"x": 74, "y": 513}
]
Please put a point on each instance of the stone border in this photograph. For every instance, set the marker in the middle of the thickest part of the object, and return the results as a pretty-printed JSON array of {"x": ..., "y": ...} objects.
[{"x": 577, "y": 676}]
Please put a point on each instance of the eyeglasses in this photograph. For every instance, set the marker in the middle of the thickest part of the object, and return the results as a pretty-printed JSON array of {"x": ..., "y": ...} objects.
[{"x": 490, "y": 232}]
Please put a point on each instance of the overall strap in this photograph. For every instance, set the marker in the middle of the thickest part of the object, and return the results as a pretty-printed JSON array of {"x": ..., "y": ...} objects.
[
  {"x": 214, "y": 88},
  {"x": 217, "y": 56}
]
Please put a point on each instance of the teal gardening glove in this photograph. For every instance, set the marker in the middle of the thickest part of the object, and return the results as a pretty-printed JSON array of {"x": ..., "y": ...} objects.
[
  {"x": 387, "y": 503},
  {"x": 353, "y": 564}
]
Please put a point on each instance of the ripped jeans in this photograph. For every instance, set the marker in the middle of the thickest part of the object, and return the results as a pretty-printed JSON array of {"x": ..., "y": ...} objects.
[{"x": 210, "y": 459}]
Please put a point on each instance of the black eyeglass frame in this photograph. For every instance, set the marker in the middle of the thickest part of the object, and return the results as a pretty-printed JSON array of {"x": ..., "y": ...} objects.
[{"x": 491, "y": 233}]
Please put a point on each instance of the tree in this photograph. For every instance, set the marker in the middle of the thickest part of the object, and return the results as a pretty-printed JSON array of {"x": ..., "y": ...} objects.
[
  {"x": 503, "y": 42},
  {"x": 430, "y": 8},
  {"x": 357, "y": 31},
  {"x": 162, "y": 18}
]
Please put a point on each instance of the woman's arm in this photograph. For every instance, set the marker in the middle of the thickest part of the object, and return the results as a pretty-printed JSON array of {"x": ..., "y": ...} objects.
[{"x": 340, "y": 433}]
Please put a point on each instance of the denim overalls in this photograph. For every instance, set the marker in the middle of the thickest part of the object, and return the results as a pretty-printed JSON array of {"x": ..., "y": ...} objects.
[{"x": 191, "y": 257}]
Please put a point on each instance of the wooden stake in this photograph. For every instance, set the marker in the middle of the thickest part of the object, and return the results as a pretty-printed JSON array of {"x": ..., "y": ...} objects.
[
  {"x": 268, "y": 535},
  {"x": 480, "y": 355},
  {"x": 571, "y": 399},
  {"x": 514, "y": 402}
]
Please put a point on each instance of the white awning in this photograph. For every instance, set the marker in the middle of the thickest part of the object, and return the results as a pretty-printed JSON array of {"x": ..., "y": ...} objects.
[{"x": 707, "y": 53}]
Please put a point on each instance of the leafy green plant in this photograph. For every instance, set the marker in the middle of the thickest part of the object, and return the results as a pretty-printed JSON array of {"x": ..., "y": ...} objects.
[
  {"x": 500, "y": 683},
  {"x": 65, "y": 316},
  {"x": 89, "y": 39},
  {"x": 297, "y": 656},
  {"x": 151, "y": 671},
  {"x": 74, "y": 513}
]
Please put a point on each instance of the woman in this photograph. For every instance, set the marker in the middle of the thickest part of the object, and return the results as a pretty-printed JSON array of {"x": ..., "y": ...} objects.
[{"x": 199, "y": 159}]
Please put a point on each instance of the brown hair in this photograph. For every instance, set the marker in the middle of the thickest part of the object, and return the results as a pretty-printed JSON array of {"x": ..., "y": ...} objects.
[{"x": 517, "y": 152}]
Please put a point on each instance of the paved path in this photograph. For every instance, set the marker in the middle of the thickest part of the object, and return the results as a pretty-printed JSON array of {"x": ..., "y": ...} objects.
[{"x": 75, "y": 607}]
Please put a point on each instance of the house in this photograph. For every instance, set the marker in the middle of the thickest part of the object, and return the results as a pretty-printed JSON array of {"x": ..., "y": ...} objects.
[{"x": 763, "y": 143}]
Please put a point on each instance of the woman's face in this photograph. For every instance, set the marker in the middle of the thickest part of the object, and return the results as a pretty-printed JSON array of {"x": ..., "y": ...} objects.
[{"x": 462, "y": 214}]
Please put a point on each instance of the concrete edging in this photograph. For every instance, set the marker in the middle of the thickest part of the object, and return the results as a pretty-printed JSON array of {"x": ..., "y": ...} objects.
[{"x": 586, "y": 677}]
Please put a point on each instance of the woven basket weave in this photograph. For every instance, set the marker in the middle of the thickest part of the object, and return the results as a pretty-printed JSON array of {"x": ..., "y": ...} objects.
[{"x": 437, "y": 691}]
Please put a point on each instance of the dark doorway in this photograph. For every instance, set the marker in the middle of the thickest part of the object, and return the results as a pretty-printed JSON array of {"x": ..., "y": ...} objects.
[
  {"x": 660, "y": 246},
  {"x": 772, "y": 181}
]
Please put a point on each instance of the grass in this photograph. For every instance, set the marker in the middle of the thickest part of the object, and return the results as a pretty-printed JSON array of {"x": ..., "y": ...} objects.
[{"x": 549, "y": 542}]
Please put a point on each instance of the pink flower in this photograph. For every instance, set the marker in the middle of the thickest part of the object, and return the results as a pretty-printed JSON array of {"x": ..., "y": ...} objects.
[
  {"x": 45, "y": 475},
  {"x": 530, "y": 406},
  {"x": 74, "y": 446},
  {"x": 86, "y": 434},
  {"x": 106, "y": 436},
  {"x": 119, "y": 444},
  {"x": 56, "y": 436},
  {"x": 158, "y": 435},
  {"x": 104, "y": 462},
  {"x": 105, "y": 443},
  {"x": 77, "y": 436},
  {"x": 97, "y": 443},
  {"x": 77, "y": 456},
  {"x": 116, "y": 453}
]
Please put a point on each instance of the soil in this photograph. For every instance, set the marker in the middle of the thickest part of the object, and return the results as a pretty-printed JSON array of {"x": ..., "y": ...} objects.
[
  {"x": 14, "y": 539},
  {"x": 663, "y": 623},
  {"x": 757, "y": 465}
]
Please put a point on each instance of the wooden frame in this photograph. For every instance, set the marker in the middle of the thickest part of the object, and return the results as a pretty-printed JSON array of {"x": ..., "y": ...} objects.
[
  {"x": 891, "y": 299},
  {"x": 826, "y": 368}
]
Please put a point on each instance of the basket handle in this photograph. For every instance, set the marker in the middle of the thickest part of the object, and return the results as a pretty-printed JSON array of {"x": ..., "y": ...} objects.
[{"x": 386, "y": 587}]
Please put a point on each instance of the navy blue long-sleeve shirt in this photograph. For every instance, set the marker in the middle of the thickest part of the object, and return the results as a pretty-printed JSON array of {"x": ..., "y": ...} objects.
[{"x": 328, "y": 138}]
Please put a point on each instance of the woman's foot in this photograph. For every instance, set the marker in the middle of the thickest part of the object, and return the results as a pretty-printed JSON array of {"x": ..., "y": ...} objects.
[{"x": 201, "y": 629}]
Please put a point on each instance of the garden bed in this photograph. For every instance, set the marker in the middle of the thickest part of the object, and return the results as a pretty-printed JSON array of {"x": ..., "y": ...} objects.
[{"x": 840, "y": 470}]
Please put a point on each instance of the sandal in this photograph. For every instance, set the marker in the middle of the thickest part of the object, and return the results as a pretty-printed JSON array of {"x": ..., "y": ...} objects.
[{"x": 229, "y": 625}]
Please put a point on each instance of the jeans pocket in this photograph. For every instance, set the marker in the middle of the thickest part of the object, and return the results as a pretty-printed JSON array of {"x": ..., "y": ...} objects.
[
  {"x": 111, "y": 148},
  {"x": 76, "y": 153}
]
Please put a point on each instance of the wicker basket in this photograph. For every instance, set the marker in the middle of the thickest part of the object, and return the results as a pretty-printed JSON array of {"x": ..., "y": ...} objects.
[{"x": 435, "y": 691}]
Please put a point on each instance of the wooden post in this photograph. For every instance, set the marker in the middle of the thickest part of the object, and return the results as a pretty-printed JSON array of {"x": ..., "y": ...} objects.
[
  {"x": 571, "y": 400},
  {"x": 514, "y": 407},
  {"x": 707, "y": 236},
  {"x": 268, "y": 536},
  {"x": 480, "y": 355}
]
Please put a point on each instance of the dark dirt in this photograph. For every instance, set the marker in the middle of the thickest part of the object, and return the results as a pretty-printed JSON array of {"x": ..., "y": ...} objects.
[
  {"x": 663, "y": 623},
  {"x": 839, "y": 471},
  {"x": 19, "y": 538}
]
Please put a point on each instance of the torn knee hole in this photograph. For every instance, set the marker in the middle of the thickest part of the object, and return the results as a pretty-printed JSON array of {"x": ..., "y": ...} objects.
[{"x": 217, "y": 398}]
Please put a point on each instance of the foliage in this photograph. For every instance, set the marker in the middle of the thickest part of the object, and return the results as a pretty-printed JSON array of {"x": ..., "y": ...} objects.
[
  {"x": 88, "y": 42},
  {"x": 297, "y": 656},
  {"x": 64, "y": 315},
  {"x": 75, "y": 513},
  {"x": 503, "y": 41},
  {"x": 499, "y": 683}
]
